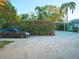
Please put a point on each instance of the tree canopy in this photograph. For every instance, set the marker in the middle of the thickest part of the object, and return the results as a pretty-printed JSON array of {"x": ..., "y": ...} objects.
[
  {"x": 8, "y": 12},
  {"x": 65, "y": 7}
]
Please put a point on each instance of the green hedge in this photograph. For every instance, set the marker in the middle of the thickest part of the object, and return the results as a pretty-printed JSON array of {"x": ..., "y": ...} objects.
[
  {"x": 36, "y": 27},
  {"x": 60, "y": 26}
]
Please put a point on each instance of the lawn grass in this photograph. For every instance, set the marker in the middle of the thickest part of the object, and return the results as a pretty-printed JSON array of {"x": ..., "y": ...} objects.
[{"x": 4, "y": 42}]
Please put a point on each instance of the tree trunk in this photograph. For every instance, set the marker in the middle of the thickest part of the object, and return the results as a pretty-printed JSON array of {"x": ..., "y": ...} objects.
[
  {"x": 67, "y": 19},
  {"x": 64, "y": 27},
  {"x": 66, "y": 24}
]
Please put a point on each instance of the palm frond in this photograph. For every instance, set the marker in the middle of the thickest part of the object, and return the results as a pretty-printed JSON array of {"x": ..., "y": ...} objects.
[{"x": 72, "y": 6}]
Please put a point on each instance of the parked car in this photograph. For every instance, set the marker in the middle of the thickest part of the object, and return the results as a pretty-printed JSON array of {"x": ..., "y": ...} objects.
[{"x": 13, "y": 33}]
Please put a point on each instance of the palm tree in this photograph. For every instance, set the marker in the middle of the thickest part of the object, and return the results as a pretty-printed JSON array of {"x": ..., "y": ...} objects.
[
  {"x": 24, "y": 16},
  {"x": 33, "y": 17},
  {"x": 40, "y": 12},
  {"x": 65, "y": 8}
]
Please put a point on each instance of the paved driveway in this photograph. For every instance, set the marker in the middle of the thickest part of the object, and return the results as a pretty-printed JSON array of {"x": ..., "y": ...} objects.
[{"x": 65, "y": 45}]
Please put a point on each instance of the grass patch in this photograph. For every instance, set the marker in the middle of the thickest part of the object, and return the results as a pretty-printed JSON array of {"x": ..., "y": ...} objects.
[{"x": 4, "y": 42}]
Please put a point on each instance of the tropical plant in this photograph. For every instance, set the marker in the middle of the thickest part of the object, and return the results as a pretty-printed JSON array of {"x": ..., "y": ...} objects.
[
  {"x": 65, "y": 8},
  {"x": 33, "y": 17},
  {"x": 40, "y": 12},
  {"x": 24, "y": 16}
]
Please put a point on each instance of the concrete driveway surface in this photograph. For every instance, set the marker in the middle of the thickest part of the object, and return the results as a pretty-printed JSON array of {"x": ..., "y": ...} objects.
[{"x": 65, "y": 45}]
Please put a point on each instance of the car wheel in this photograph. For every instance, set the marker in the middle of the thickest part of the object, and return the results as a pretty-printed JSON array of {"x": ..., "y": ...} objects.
[{"x": 0, "y": 36}]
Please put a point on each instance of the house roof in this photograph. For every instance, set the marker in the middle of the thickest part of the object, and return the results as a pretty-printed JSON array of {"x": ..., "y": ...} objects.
[{"x": 74, "y": 21}]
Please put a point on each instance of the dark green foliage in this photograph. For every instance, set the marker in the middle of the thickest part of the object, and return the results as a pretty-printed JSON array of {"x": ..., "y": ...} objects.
[
  {"x": 60, "y": 26},
  {"x": 41, "y": 12},
  {"x": 9, "y": 25},
  {"x": 24, "y": 16}
]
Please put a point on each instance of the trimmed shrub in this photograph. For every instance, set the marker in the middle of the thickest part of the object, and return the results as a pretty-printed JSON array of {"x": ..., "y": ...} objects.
[
  {"x": 60, "y": 26},
  {"x": 37, "y": 27}
]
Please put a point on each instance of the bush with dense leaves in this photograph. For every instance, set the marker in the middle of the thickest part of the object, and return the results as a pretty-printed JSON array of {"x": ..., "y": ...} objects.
[
  {"x": 33, "y": 27},
  {"x": 37, "y": 27},
  {"x": 9, "y": 25}
]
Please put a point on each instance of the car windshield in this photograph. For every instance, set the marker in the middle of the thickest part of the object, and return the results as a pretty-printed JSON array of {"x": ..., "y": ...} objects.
[{"x": 9, "y": 30}]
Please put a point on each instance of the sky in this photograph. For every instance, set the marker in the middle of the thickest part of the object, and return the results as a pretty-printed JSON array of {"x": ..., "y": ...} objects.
[{"x": 26, "y": 6}]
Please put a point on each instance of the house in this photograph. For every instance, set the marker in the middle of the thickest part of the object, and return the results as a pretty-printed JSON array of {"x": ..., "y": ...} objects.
[{"x": 74, "y": 25}]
